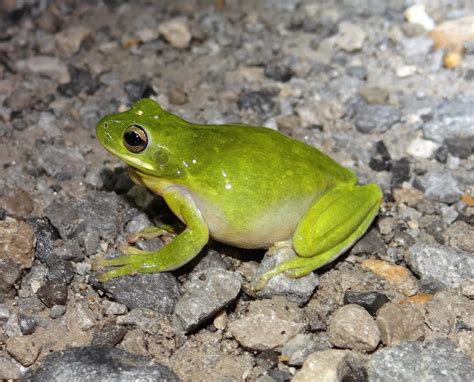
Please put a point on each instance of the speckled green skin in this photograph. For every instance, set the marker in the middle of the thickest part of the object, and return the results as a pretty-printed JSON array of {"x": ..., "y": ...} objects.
[{"x": 241, "y": 185}]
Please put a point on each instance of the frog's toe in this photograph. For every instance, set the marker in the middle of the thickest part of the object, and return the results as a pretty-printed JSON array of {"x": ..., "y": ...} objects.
[
  {"x": 124, "y": 270},
  {"x": 296, "y": 273},
  {"x": 131, "y": 250},
  {"x": 152, "y": 232}
]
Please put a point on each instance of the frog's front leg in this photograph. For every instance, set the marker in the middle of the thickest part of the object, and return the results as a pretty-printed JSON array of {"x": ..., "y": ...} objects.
[
  {"x": 332, "y": 224},
  {"x": 176, "y": 253}
]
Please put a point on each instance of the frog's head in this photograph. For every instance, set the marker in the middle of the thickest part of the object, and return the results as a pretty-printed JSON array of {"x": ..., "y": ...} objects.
[{"x": 136, "y": 136}]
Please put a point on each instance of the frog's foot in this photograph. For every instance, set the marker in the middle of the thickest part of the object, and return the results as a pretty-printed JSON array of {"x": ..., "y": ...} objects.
[
  {"x": 152, "y": 232},
  {"x": 279, "y": 246},
  {"x": 126, "y": 265},
  {"x": 290, "y": 267}
]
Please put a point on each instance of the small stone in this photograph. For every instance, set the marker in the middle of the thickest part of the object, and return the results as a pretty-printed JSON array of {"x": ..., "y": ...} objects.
[
  {"x": 452, "y": 118},
  {"x": 400, "y": 172},
  {"x": 72, "y": 251},
  {"x": 62, "y": 162},
  {"x": 51, "y": 67},
  {"x": 409, "y": 196},
  {"x": 446, "y": 265},
  {"x": 397, "y": 275},
  {"x": 328, "y": 365},
  {"x": 176, "y": 32},
  {"x": 278, "y": 72},
  {"x": 447, "y": 313},
  {"x": 82, "y": 80},
  {"x": 212, "y": 259},
  {"x": 416, "y": 14},
  {"x": 461, "y": 235},
  {"x": 374, "y": 95},
  {"x": 157, "y": 291},
  {"x": 82, "y": 268},
  {"x": 422, "y": 148},
  {"x": 8, "y": 369},
  {"x": 57, "y": 311},
  {"x": 24, "y": 349},
  {"x": 134, "y": 342},
  {"x": 295, "y": 290},
  {"x": 371, "y": 243},
  {"x": 114, "y": 308},
  {"x": 137, "y": 89},
  {"x": 441, "y": 186},
  {"x": 53, "y": 293},
  {"x": 351, "y": 37},
  {"x": 17, "y": 242},
  {"x": 109, "y": 335},
  {"x": 209, "y": 291},
  {"x": 418, "y": 361},
  {"x": 352, "y": 327},
  {"x": 452, "y": 60},
  {"x": 460, "y": 147},
  {"x": 381, "y": 160},
  {"x": 406, "y": 71},
  {"x": 27, "y": 324},
  {"x": 267, "y": 324},
  {"x": 69, "y": 40},
  {"x": 16, "y": 202},
  {"x": 259, "y": 101},
  {"x": 467, "y": 288},
  {"x": 376, "y": 118},
  {"x": 177, "y": 96},
  {"x": 399, "y": 323},
  {"x": 59, "y": 270},
  {"x": 297, "y": 349},
  {"x": 47, "y": 123},
  {"x": 4, "y": 313},
  {"x": 371, "y": 301},
  {"x": 102, "y": 212},
  {"x": 46, "y": 234},
  {"x": 96, "y": 363}
]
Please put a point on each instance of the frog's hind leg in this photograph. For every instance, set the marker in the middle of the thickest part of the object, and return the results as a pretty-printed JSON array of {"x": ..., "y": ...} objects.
[{"x": 331, "y": 226}]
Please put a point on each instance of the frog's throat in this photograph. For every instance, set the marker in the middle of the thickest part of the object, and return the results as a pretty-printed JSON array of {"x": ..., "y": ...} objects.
[{"x": 152, "y": 182}]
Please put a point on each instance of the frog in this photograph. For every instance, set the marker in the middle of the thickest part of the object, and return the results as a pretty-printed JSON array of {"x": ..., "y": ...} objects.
[{"x": 245, "y": 186}]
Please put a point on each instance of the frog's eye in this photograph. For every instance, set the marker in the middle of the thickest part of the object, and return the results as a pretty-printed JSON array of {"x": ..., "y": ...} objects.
[{"x": 135, "y": 139}]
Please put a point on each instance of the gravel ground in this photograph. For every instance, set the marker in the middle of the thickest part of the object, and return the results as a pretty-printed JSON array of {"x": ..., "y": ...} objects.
[{"x": 354, "y": 78}]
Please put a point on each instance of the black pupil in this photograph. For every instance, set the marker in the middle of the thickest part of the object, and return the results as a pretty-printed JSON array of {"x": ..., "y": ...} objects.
[{"x": 133, "y": 139}]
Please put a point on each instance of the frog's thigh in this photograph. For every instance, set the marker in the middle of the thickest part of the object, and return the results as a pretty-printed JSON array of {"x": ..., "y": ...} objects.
[{"x": 335, "y": 222}]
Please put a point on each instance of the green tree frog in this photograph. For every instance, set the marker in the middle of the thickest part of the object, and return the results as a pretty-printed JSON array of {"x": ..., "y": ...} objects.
[{"x": 250, "y": 187}]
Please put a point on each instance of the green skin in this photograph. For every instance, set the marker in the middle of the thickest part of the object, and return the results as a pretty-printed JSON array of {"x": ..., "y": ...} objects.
[{"x": 249, "y": 187}]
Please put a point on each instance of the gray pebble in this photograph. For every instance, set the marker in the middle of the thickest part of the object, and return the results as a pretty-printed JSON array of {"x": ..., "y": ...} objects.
[
  {"x": 62, "y": 162},
  {"x": 209, "y": 291},
  {"x": 379, "y": 118},
  {"x": 157, "y": 291},
  {"x": 57, "y": 311},
  {"x": 441, "y": 186},
  {"x": 99, "y": 212},
  {"x": 99, "y": 364},
  {"x": 452, "y": 119},
  {"x": 446, "y": 265},
  {"x": 424, "y": 362}
]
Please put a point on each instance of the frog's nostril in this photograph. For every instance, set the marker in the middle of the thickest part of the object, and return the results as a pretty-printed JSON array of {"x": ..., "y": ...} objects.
[{"x": 106, "y": 125}]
